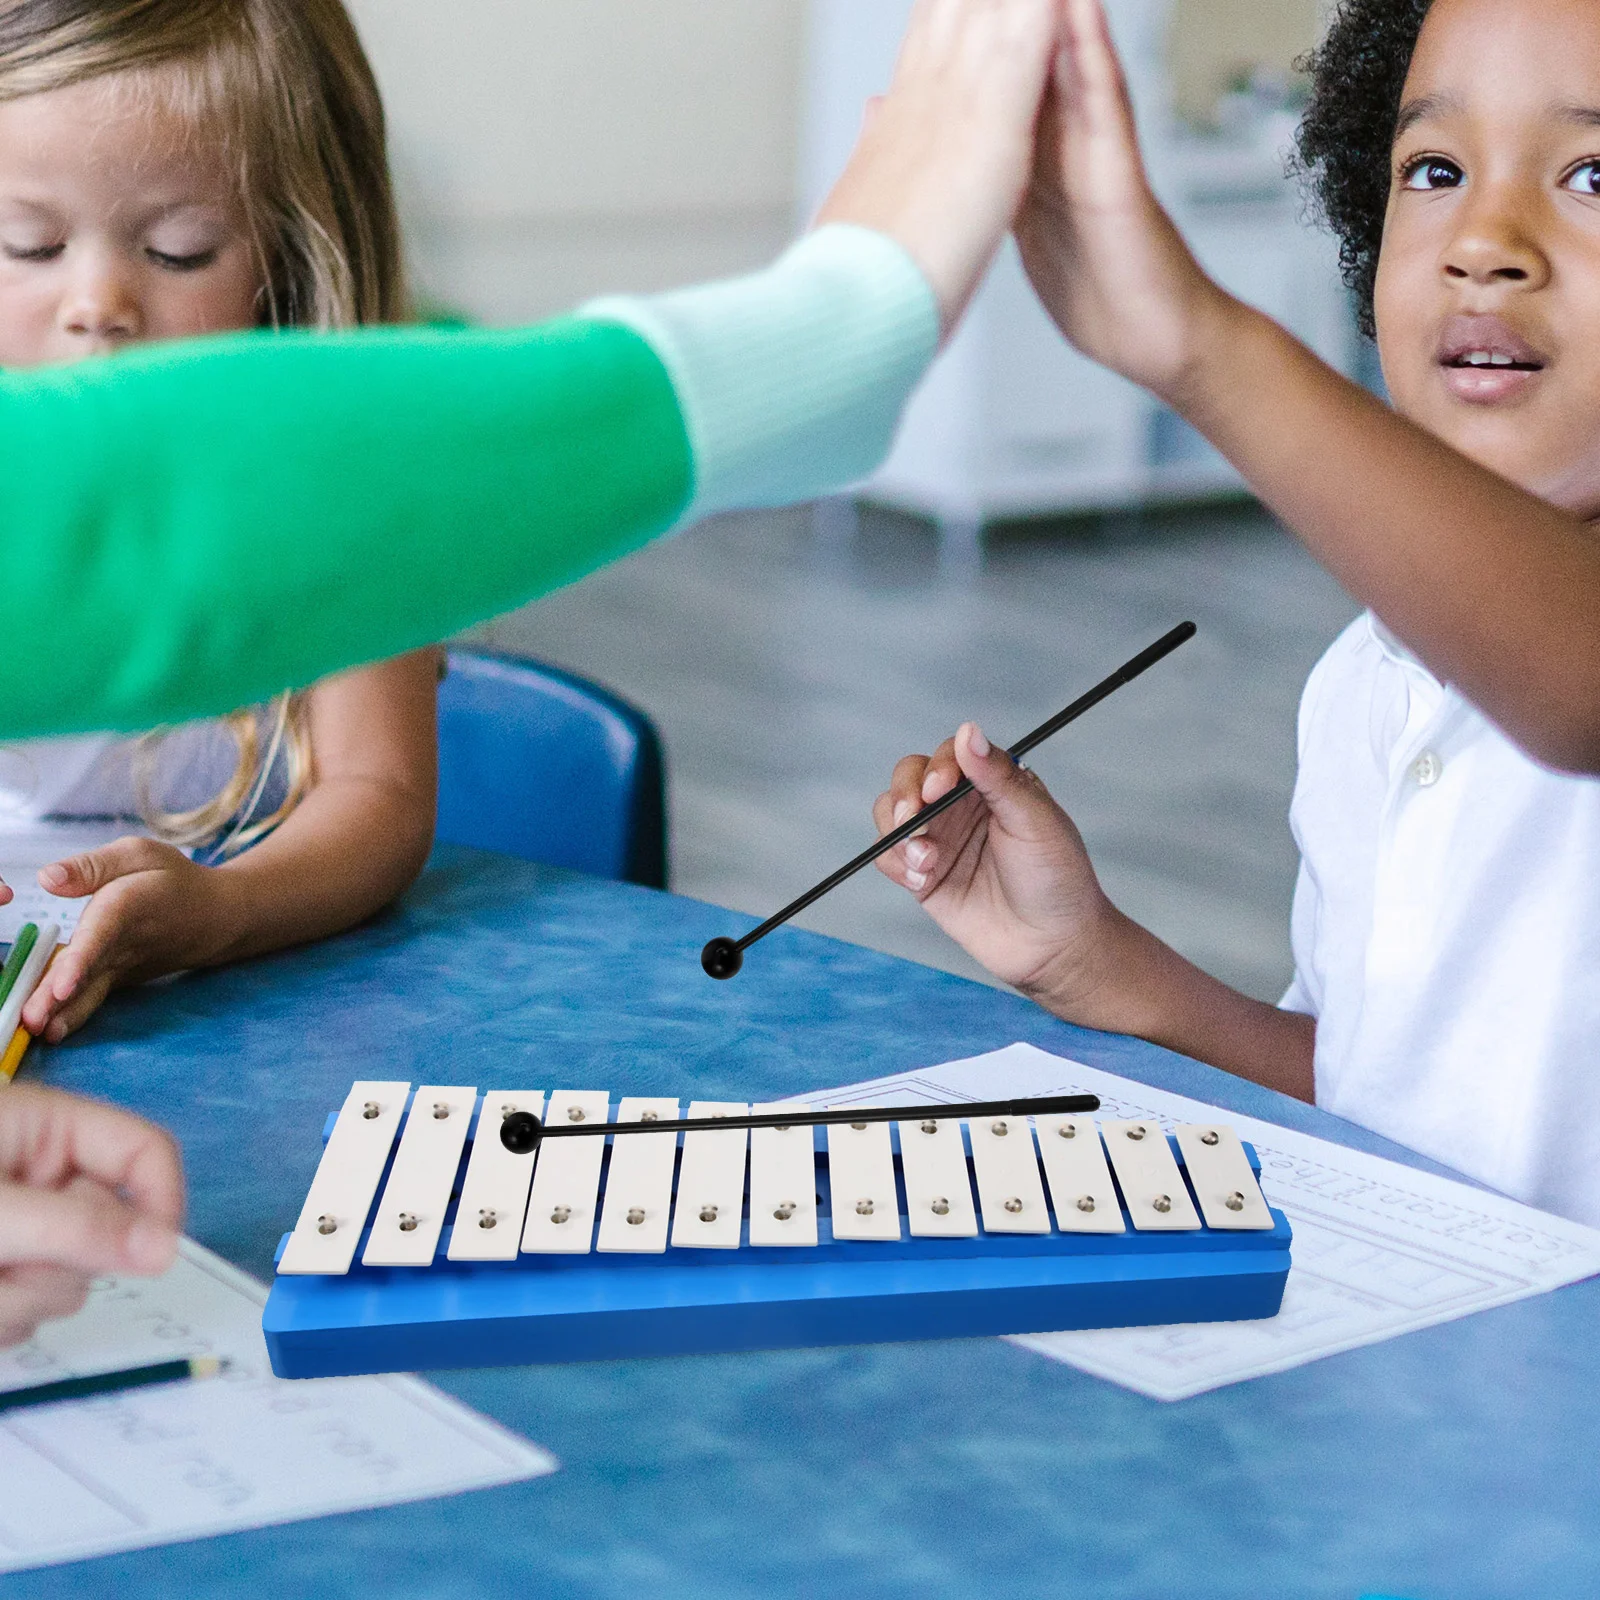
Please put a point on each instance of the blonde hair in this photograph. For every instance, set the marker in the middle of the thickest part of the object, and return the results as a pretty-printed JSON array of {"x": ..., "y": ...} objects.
[{"x": 288, "y": 88}]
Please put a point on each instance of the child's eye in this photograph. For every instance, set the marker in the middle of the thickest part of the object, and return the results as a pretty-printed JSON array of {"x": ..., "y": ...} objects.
[
  {"x": 1585, "y": 178},
  {"x": 182, "y": 263},
  {"x": 33, "y": 252},
  {"x": 1432, "y": 172}
]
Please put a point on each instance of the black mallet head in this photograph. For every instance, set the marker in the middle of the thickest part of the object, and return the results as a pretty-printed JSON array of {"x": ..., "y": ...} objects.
[
  {"x": 721, "y": 958},
  {"x": 520, "y": 1132}
]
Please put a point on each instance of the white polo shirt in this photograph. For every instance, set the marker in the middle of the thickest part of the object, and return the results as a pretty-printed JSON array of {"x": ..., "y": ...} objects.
[{"x": 1447, "y": 928}]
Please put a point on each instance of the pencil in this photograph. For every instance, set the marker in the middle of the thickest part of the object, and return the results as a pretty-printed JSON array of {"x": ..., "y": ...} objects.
[
  {"x": 43, "y": 1394},
  {"x": 21, "y": 949}
]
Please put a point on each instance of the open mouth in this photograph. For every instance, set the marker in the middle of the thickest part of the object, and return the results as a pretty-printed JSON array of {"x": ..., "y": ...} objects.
[
  {"x": 1486, "y": 360},
  {"x": 1492, "y": 360}
]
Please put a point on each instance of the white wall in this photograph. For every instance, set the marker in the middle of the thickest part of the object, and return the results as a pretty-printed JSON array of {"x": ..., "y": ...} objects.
[
  {"x": 551, "y": 149},
  {"x": 1213, "y": 39}
]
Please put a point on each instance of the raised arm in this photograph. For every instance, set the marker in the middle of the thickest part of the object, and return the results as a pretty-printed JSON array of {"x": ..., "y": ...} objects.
[
  {"x": 206, "y": 526},
  {"x": 1494, "y": 588}
]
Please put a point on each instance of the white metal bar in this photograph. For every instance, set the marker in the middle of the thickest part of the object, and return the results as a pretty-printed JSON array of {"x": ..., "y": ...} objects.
[
  {"x": 494, "y": 1194},
  {"x": 933, "y": 1162},
  {"x": 1220, "y": 1172},
  {"x": 1010, "y": 1190},
  {"x": 861, "y": 1181},
  {"x": 638, "y": 1203},
  {"x": 410, "y": 1215},
  {"x": 1158, "y": 1201},
  {"x": 566, "y": 1179},
  {"x": 710, "y": 1203},
  {"x": 1081, "y": 1191},
  {"x": 325, "y": 1238},
  {"x": 783, "y": 1183}
]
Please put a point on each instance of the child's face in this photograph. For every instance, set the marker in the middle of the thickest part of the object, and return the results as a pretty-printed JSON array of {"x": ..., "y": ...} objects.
[
  {"x": 118, "y": 223},
  {"x": 1488, "y": 294}
]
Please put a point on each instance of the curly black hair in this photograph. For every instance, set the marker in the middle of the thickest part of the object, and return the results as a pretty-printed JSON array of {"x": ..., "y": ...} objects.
[{"x": 1346, "y": 138}]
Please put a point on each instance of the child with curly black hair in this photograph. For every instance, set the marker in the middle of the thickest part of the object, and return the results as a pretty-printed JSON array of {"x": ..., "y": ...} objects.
[{"x": 1446, "y": 923}]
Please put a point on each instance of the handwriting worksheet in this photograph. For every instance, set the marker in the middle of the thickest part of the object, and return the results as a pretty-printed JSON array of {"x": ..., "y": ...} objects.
[
  {"x": 216, "y": 1455},
  {"x": 1379, "y": 1249}
]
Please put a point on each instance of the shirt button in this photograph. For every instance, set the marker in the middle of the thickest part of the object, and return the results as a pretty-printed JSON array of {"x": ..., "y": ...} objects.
[{"x": 1426, "y": 769}]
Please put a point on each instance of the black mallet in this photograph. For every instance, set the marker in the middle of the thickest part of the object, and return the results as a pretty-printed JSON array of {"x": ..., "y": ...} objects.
[{"x": 723, "y": 957}]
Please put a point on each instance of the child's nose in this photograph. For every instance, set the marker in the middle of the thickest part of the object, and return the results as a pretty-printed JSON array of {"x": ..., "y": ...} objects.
[
  {"x": 101, "y": 307},
  {"x": 1497, "y": 242}
]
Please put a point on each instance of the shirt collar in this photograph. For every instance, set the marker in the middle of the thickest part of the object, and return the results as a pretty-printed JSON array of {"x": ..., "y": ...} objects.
[{"x": 1388, "y": 642}]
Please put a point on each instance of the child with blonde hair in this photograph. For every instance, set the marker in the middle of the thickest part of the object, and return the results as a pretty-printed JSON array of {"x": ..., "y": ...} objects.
[
  {"x": 171, "y": 168},
  {"x": 1446, "y": 926}
]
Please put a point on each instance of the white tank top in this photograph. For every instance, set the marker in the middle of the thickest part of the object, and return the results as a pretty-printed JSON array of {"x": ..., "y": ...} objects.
[{"x": 92, "y": 776}]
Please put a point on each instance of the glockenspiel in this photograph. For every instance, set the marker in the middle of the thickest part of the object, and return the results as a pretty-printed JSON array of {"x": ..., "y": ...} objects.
[{"x": 427, "y": 1240}]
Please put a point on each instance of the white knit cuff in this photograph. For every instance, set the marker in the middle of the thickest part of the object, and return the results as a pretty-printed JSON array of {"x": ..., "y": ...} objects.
[{"x": 791, "y": 381}]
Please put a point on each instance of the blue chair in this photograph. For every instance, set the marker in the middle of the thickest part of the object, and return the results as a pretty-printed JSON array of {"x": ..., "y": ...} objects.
[{"x": 537, "y": 763}]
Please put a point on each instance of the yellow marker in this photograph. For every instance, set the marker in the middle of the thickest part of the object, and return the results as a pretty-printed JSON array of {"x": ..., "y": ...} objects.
[{"x": 15, "y": 1051}]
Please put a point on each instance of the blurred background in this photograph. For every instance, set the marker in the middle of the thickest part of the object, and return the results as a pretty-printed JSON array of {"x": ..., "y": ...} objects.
[{"x": 1038, "y": 520}]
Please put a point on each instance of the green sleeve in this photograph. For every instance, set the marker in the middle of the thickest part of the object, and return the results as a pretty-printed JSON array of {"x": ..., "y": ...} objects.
[{"x": 188, "y": 529}]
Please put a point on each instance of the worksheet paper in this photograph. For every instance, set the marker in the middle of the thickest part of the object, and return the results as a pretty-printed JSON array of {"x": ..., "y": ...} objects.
[
  {"x": 1379, "y": 1249},
  {"x": 215, "y": 1455}
]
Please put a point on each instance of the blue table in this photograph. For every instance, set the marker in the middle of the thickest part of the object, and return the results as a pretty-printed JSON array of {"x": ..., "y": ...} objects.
[{"x": 1457, "y": 1462}]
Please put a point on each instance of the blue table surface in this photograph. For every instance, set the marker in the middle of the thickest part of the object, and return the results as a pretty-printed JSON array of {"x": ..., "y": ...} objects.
[{"x": 1454, "y": 1462}]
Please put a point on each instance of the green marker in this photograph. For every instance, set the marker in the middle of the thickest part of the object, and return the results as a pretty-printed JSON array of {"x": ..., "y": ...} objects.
[{"x": 27, "y": 938}]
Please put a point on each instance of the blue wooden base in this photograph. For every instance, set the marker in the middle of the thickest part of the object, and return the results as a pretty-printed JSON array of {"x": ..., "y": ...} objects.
[
  {"x": 594, "y": 1308},
  {"x": 543, "y": 1308}
]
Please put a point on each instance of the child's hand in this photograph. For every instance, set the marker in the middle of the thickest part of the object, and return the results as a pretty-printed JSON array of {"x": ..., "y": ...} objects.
[
  {"x": 943, "y": 160},
  {"x": 151, "y": 907},
  {"x": 84, "y": 1189},
  {"x": 1103, "y": 256},
  {"x": 1003, "y": 872}
]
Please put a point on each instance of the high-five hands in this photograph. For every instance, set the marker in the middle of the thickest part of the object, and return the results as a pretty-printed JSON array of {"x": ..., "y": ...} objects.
[
  {"x": 944, "y": 158},
  {"x": 84, "y": 1189},
  {"x": 1105, "y": 259},
  {"x": 1016, "y": 112}
]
